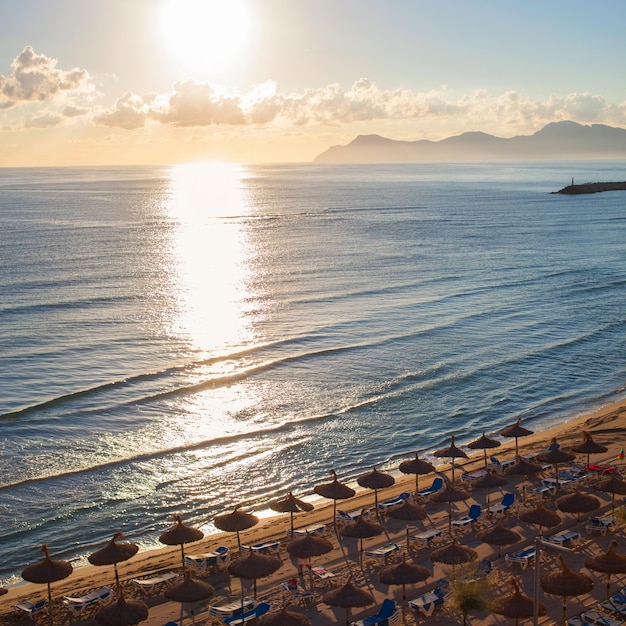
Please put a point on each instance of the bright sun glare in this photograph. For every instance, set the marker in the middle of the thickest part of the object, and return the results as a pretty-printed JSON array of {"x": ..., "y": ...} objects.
[{"x": 206, "y": 34}]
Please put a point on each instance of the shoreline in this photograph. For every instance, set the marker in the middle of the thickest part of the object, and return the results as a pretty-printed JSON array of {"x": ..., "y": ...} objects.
[{"x": 609, "y": 421}]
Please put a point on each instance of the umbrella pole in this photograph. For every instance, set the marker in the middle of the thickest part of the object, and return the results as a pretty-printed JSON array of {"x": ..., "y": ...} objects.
[
  {"x": 117, "y": 579},
  {"x": 335, "y": 515},
  {"x": 408, "y": 547},
  {"x": 376, "y": 503},
  {"x": 182, "y": 556},
  {"x": 485, "y": 451},
  {"x": 564, "y": 611},
  {"x": 450, "y": 518},
  {"x": 49, "y": 605},
  {"x": 608, "y": 585}
]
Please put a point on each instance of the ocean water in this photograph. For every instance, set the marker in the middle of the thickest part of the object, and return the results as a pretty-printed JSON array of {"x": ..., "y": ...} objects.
[{"x": 183, "y": 339}]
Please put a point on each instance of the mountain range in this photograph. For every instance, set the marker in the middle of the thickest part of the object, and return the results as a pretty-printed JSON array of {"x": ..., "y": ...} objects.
[{"x": 558, "y": 140}]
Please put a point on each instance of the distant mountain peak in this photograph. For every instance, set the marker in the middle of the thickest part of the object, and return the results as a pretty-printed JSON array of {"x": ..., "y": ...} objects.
[{"x": 556, "y": 140}]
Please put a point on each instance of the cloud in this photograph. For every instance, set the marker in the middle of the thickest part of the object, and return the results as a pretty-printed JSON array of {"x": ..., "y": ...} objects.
[
  {"x": 130, "y": 112},
  {"x": 35, "y": 77},
  {"x": 42, "y": 121}
]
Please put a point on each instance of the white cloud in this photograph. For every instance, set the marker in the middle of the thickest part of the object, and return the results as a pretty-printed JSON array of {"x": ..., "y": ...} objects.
[
  {"x": 35, "y": 77},
  {"x": 47, "y": 120}
]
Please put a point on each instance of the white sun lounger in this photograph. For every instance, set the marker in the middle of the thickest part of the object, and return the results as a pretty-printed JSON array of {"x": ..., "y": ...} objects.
[
  {"x": 31, "y": 608},
  {"x": 77, "y": 604},
  {"x": 148, "y": 585}
]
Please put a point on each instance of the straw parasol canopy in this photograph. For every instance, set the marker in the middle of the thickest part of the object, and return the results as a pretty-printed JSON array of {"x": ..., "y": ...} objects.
[
  {"x": 565, "y": 583},
  {"x": 309, "y": 546},
  {"x": 522, "y": 467},
  {"x": 451, "y": 452},
  {"x": 516, "y": 430},
  {"x": 375, "y": 480},
  {"x": 47, "y": 571},
  {"x": 416, "y": 466},
  {"x": 517, "y": 605},
  {"x": 253, "y": 566},
  {"x": 290, "y": 504},
  {"x": 609, "y": 562},
  {"x": 588, "y": 446},
  {"x": 334, "y": 490},
  {"x": 122, "y": 613},
  {"x": 499, "y": 536},
  {"x": 361, "y": 529},
  {"x": 483, "y": 443},
  {"x": 348, "y": 596},
  {"x": 612, "y": 485},
  {"x": 404, "y": 574},
  {"x": 235, "y": 522},
  {"x": 114, "y": 553},
  {"x": 408, "y": 512},
  {"x": 3, "y": 591},
  {"x": 189, "y": 591},
  {"x": 180, "y": 534},
  {"x": 449, "y": 494},
  {"x": 284, "y": 617},
  {"x": 453, "y": 554},
  {"x": 489, "y": 481},
  {"x": 541, "y": 516},
  {"x": 555, "y": 456},
  {"x": 577, "y": 503}
]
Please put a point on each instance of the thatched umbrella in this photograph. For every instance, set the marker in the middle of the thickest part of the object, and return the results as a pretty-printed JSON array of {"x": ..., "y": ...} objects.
[
  {"x": 555, "y": 456},
  {"x": 408, "y": 512},
  {"x": 449, "y": 494},
  {"x": 516, "y": 430},
  {"x": 112, "y": 554},
  {"x": 541, "y": 516},
  {"x": 499, "y": 536},
  {"x": 308, "y": 547},
  {"x": 404, "y": 574},
  {"x": 522, "y": 467},
  {"x": 253, "y": 566},
  {"x": 613, "y": 485},
  {"x": 577, "y": 503},
  {"x": 483, "y": 443},
  {"x": 235, "y": 522},
  {"x": 565, "y": 583},
  {"x": 588, "y": 446},
  {"x": 517, "y": 605},
  {"x": 453, "y": 554},
  {"x": 451, "y": 452},
  {"x": 418, "y": 467},
  {"x": 334, "y": 491},
  {"x": 284, "y": 617},
  {"x": 489, "y": 481},
  {"x": 348, "y": 596},
  {"x": 180, "y": 534},
  {"x": 189, "y": 591},
  {"x": 290, "y": 504},
  {"x": 3, "y": 591},
  {"x": 376, "y": 480},
  {"x": 609, "y": 562},
  {"x": 122, "y": 613},
  {"x": 47, "y": 571},
  {"x": 361, "y": 529}
]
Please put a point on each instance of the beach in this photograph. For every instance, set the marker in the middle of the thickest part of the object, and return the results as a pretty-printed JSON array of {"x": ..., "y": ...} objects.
[{"x": 607, "y": 426}]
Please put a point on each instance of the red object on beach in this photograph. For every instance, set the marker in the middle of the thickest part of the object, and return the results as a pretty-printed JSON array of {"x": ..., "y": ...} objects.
[{"x": 604, "y": 469}]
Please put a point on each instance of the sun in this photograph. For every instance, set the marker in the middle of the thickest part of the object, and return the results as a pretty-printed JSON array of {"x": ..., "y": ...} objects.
[{"x": 206, "y": 34}]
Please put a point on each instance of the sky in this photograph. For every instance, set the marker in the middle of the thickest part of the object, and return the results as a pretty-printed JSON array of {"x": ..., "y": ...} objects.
[{"x": 106, "y": 82}]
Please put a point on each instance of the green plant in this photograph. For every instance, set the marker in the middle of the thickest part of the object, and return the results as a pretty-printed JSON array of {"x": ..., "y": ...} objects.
[{"x": 470, "y": 594}]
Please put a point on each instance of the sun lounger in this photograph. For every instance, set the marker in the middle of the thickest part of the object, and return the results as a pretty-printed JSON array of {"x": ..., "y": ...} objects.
[
  {"x": 619, "y": 597},
  {"x": 351, "y": 516},
  {"x": 601, "y": 524},
  {"x": 208, "y": 561},
  {"x": 427, "y": 602},
  {"x": 612, "y": 607},
  {"x": 601, "y": 469},
  {"x": 543, "y": 491},
  {"x": 505, "y": 504},
  {"x": 298, "y": 594},
  {"x": 436, "y": 486},
  {"x": 314, "y": 529},
  {"x": 564, "y": 538},
  {"x": 381, "y": 618},
  {"x": 77, "y": 605},
  {"x": 260, "y": 609},
  {"x": 427, "y": 536},
  {"x": 472, "y": 476},
  {"x": 498, "y": 465},
  {"x": 578, "y": 620},
  {"x": 31, "y": 608},
  {"x": 265, "y": 547},
  {"x": 384, "y": 552},
  {"x": 392, "y": 503},
  {"x": 148, "y": 585},
  {"x": 322, "y": 574},
  {"x": 522, "y": 558},
  {"x": 232, "y": 609},
  {"x": 473, "y": 514}
]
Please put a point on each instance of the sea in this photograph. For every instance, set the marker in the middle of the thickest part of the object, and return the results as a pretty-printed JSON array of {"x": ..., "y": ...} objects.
[{"x": 183, "y": 339}]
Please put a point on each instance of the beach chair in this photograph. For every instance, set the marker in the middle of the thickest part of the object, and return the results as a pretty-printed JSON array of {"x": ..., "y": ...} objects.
[
  {"x": 436, "y": 486},
  {"x": 322, "y": 574},
  {"x": 392, "y": 503},
  {"x": 260, "y": 609},
  {"x": 381, "y": 618},
  {"x": 298, "y": 594},
  {"x": 472, "y": 476},
  {"x": 600, "y": 469},
  {"x": 384, "y": 552},
  {"x": 427, "y": 536},
  {"x": 264, "y": 547},
  {"x": 505, "y": 504},
  {"x": 78, "y": 604},
  {"x": 314, "y": 529},
  {"x": 522, "y": 558},
  {"x": 616, "y": 609},
  {"x": 350, "y": 516},
  {"x": 232, "y": 609},
  {"x": 428, "y": 602},
  {"x": 31, "y": 608},
  {"x": 208, "y": 561},
  {"x": 564, "y": 539},
  {"x": 498, "y": 465},
  {"x": 149, "y": 585},
  {"x": 472, "y": 515},
  {"x": 578, "y": 620},
  {"x": 601, "y": 524},
  {"x": 544, "y": 491},
  {"x": 596, "y": 618}
]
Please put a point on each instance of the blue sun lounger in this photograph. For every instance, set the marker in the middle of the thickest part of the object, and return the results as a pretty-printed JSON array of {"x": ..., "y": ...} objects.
[
  {"x": 428, "y": 602},
  {"x": 436, "y": 486},
  {"x": 387, "y": 609},
  {"x": 31, "y": 608},
  {"x": 522, "y": 558},
  {"x": 259, "y": 610}
]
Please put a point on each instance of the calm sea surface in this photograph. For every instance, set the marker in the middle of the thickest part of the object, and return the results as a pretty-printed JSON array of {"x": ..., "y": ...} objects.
[{"x": 182, "y": 339}]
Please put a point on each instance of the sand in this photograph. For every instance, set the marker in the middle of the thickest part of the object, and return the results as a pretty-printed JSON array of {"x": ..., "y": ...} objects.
[{"x": 608, "y": 427}]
